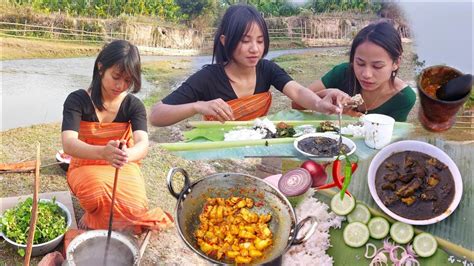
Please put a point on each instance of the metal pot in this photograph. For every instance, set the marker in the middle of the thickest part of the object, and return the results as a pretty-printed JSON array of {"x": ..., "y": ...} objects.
[
  {"x": 193, "y": 196},
  {"x": 89, "y": 248},
  {"x": 43, "y": 248}
]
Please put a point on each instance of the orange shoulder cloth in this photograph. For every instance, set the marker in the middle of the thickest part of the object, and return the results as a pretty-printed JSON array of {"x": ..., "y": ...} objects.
[{"x": 249, "y": 107}]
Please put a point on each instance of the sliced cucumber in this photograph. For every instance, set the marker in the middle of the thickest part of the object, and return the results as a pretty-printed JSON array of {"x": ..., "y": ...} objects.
[
  {"x": 360, "y": 214},
  {"x": 344, "y": 206},
  {"x": 378, "y": 227},
  {"x": 401, "y": 233},
  {"x": 425, "y": 245},
  {"x": 356, "y": 234}
]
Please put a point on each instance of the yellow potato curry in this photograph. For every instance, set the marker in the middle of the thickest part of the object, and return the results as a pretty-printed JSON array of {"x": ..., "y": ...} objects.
[{"x": 229, "y": 230}]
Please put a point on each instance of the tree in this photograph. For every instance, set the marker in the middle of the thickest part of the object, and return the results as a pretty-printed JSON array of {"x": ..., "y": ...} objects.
[{"x": 193, "y": 8}]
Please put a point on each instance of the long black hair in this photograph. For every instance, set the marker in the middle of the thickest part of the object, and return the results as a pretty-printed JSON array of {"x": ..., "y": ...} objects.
[
  {"x": 118, "y": 53},
  {"x": 381, "y": 33},
  {"x": 234, "y": 25}
]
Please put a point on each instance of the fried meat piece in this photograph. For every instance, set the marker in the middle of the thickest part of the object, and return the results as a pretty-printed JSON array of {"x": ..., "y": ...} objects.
[{"x": 409, "y": 189}]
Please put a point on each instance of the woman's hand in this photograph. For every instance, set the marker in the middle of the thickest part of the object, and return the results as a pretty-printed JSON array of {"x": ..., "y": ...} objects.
[
  {"x": 332, "y": 100},
  {"x": 115, "y": 156},
  {"x": 217, "y": 108}
]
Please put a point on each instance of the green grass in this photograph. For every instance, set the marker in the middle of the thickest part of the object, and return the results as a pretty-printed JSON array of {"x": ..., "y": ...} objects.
[
  {"x": 18, "y": 48},
  {"x": 165, "y": 75}
]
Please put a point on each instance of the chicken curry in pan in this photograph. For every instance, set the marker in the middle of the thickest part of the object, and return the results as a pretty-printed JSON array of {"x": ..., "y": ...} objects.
[{"x": 230, "y": 231}]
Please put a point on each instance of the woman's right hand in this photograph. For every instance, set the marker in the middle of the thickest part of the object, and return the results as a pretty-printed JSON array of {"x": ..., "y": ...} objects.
[
  {"x": 332, "y": 101},
  {"x": 217, "y": 108},
  {"x": 114, "y": 155}
]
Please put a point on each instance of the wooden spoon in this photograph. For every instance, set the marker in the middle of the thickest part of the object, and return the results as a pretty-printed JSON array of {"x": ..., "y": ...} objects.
[
  {"x": 34, "y": 210},
  {"x": 109, "y": 232}
]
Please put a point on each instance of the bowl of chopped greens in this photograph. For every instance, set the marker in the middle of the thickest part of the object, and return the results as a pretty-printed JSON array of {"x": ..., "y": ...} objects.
[{"x": 53, "y": 221}]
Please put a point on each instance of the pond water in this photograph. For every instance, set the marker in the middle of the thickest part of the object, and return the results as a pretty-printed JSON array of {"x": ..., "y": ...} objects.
[
  {"x": 443, "y": 32},
  {"x": 33, "y": 91}
]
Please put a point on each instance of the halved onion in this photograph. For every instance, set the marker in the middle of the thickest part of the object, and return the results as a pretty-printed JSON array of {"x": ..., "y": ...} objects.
[{"x": 295, "y": 182}]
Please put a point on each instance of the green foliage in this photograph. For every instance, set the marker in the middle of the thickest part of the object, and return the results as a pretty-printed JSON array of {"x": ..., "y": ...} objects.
[
  {"x": 188, "y": 10},
  {"x": 318, "y": 6},
  {"x": 165, "y": 9},
  {"x": 50, "y": 223},
  {"x": 192, "y": 8}
]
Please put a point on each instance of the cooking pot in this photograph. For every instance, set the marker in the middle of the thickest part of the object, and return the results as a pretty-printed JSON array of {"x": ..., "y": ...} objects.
[
  {"x": 283, "y": 224},
  {"x": 89, "y": 249}
]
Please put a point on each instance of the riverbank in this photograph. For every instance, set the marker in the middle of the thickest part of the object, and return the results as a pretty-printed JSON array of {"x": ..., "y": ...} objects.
[
  {"x": 25, "y": 48},
  {"x": 17, "y": 48}
]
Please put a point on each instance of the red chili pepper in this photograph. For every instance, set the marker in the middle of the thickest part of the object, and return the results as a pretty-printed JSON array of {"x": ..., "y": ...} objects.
[
  {"x": 330, "y": 185},
  {"x": 335, "y": 176},
  {"x": 354, "y": 166},
  {"x": 338, "y": 179}
]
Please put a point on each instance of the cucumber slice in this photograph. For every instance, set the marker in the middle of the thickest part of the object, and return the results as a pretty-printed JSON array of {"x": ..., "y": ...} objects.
[
  {"x": 360, "y": 214},
  {"x": 425, "y": 245},
  {"x": 401, "y": 233},
  {"x": 378, "y": 227},
  {"x": 344, "y": 206},
  {"x": 356, "y": 234}
]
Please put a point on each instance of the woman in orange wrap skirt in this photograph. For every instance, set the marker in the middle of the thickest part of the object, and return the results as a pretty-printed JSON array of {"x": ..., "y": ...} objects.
[
  {"x": 95, "y": 122},
  {"x": 237, "y": 85}
]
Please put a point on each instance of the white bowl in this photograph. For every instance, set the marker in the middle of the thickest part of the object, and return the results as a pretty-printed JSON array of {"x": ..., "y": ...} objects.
[
  {"x": 345, "y": 140},
  {"x": 423, "y": 147},
  {"x": 44, "y": 248}
]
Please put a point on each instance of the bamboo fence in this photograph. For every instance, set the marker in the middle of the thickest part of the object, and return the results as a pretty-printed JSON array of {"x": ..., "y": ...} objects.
[{"x": 311, "y": 34}]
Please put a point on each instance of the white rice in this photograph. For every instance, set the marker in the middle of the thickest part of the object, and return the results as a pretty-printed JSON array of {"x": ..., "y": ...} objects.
[
  {"x": 265, "y": 123},
  {"x": 245, "y": 134},
  {"x": 259, "y": 131},
  {"x": 313, "y": 252},
  {"x": 354, "y": 130}
]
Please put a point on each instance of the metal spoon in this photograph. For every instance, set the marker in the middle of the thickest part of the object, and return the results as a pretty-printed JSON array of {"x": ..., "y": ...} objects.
[{"x": 339, "y": 143}]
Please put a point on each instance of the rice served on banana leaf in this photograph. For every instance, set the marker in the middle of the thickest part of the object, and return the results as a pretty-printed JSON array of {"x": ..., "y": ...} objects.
[
  {"x": 313, "y": 252},
  {"x": 262, "y": 128}
]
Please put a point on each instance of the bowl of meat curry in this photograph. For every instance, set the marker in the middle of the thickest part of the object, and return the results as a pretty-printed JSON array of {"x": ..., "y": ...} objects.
[{"x": 415, "y": 182}]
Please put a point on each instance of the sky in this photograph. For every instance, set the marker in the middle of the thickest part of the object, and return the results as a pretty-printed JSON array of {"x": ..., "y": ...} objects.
[{"x": 443, "y": 32}]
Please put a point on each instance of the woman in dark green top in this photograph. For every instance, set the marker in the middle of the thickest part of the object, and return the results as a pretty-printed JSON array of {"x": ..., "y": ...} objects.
[{"x": 375, "y": 57}]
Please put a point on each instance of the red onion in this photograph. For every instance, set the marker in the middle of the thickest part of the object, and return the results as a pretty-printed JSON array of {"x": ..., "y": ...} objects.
[
  {"x": 317, "y": 172},
  {"x": 295, "y": 182}
]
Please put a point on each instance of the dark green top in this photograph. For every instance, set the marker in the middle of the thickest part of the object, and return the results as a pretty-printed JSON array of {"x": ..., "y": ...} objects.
[{"x": 397, "y": 107}]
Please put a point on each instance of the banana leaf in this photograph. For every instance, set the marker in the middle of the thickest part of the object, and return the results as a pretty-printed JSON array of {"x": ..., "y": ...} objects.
[
  {"x": 209, "y": 133},
  {"x": 345, "y": 255}
]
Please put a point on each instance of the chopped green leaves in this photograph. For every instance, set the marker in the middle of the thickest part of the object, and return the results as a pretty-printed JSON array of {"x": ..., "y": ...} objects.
[{"x": 51, "y": 222}]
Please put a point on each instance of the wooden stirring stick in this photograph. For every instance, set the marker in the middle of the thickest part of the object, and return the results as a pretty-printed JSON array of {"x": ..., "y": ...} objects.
[
  {"x": 34, "y": 210},
  {"x": 109, "y": 232}
]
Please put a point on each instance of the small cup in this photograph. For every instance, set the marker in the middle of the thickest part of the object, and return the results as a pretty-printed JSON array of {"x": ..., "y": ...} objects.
[{"x": 378, "y": 130}]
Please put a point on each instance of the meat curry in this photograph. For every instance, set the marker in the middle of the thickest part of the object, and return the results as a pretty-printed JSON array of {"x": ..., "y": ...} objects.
[{"x": 415, "y": 185}]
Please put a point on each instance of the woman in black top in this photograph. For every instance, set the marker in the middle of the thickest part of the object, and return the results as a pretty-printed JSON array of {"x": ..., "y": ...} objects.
[
  {"x": 96, "y": 122},
  {"x": 236, "y": 87}
]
